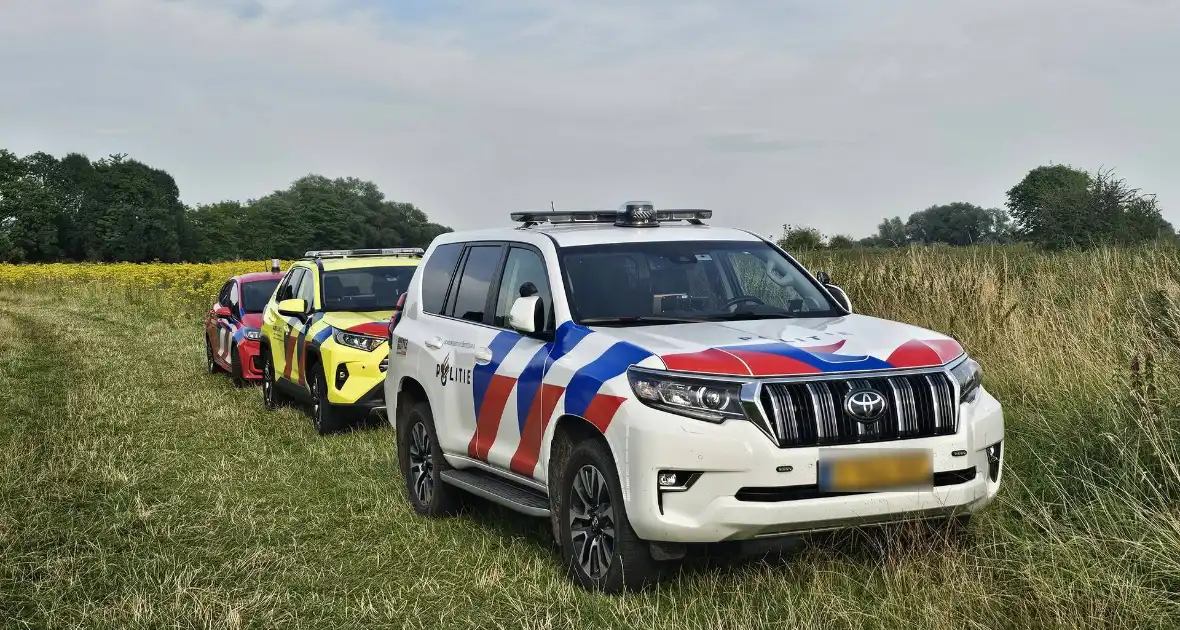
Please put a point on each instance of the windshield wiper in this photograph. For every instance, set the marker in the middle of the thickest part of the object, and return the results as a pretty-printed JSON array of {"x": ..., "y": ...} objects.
[{"x": 640, "y": 319}]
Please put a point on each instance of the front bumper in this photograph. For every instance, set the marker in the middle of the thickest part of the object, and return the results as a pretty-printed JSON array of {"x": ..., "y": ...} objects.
[
  {"x": 363, "y": 379},
  {"x": 749, "y": 488},
  {"x": 250, "y": 360}
]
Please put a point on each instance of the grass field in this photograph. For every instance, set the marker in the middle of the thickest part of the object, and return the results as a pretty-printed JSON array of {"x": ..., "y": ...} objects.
[{"x": 137, "y": 491}]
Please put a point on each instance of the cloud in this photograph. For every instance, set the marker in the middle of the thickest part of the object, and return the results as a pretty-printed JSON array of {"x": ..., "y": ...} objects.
[{"x": 832, "y": 113}]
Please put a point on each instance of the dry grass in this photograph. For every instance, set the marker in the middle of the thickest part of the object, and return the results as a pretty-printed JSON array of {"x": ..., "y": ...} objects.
[{"x": 135, "y": 491}]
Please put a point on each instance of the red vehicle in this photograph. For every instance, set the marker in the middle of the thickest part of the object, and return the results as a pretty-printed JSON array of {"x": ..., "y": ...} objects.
[{"x": 232, "y": 327}]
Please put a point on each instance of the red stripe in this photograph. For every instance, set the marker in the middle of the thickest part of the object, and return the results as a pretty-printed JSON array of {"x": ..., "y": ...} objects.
[
  {"x": 374, "y": 329},
  {"x": 711, "y": 361},
  {"x": 602, "y": 410},
  {"x": 529, "y": 449},
  {"x": 487, "y": 421},
  {"x": 302, "y": 359},
  {"x": 947, "y": 349},
  {"x": 289, "y": 355},
  {"x": 828, "y": 349},
  {"x": 766, "y": 364},
  {"x": 914, "y": 353}
]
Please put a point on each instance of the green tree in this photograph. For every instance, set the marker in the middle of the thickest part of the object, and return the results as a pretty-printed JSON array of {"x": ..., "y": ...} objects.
[
  {"x": 841, "y": 241},
  {"x": 800, "y": 238},
  {"x": 891, "y": 232},
  {"x": 1061, "y": 206},
  {"x": 958, "y": 223}
]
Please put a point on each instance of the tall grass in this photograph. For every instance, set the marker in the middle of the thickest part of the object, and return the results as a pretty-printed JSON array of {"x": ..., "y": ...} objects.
[{"x": 136, "y": 492}]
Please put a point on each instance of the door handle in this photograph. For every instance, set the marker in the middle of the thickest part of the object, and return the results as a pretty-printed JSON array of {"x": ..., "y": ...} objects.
[
  {"x": 434, "y": 343},
  {"x": 483, "y": 356}
]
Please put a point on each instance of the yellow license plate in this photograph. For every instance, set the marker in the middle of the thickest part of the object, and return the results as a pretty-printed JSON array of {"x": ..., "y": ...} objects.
[{"x": 869, "y": 471}]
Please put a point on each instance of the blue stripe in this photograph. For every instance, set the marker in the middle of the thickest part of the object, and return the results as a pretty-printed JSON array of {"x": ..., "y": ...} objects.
[
  {"x": 823, "y": 361},
  {"x": 529, "y": 382},
  {"x": 322, "y": 335},
  {"x": 481, "y": 376},
  {"x": 587, "y": 381},
  {"x": 566, "y": 339}
]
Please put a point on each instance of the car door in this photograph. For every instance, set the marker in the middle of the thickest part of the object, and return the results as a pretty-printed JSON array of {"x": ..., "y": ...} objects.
[
  {"x": 297, "y": 333},
  {"x": 515, "y": 443},
  {"x": 277, "y": 325},
  {"x": 455, "y": 384},
  {"x": 216, "y": 327}
]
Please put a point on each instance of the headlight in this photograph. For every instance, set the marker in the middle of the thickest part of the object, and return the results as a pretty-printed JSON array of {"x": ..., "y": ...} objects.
[
  {"x": 969, "y": 376},
  {"x": 360, "y": 342},
  {"x": 253, "y": 334},
  {"x": 712, "y": 401}
]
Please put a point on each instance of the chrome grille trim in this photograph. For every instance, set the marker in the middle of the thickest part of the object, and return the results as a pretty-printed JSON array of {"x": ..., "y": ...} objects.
[{"x": 810, "y": 412}]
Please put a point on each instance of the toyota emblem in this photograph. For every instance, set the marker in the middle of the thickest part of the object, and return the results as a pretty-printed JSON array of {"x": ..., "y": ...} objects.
[{"x": 865, "y": 405}]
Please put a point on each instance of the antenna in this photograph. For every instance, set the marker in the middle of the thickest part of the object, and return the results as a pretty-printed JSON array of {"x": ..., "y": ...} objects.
[{"x": 551, "y": 208}]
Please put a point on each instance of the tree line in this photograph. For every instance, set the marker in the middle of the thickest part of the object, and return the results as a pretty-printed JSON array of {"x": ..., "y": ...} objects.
[
  {"x": 119, "y": 209},
  {"x": 1053, "y": 207}
]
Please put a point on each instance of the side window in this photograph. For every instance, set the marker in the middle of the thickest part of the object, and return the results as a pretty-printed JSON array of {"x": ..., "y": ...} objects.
[
  {"x": 287, "y": 288},
  {"x": 471, "y": 296},
  {"x": 223, "y": 294},
  {"x": 524, "y": 272},
  {"x": 437, "y": 274},
  {"x": 234, "y": 298},
  {"x": 306, "y": 290}
]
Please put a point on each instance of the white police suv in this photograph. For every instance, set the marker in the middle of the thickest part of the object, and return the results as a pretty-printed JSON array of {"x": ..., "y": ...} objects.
[{"x": 650, "y": 382}]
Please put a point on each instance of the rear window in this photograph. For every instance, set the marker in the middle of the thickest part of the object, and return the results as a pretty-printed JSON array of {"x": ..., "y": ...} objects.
[
  {"x": 256, "y": 294},
  {"x": 366, "y": 289}
]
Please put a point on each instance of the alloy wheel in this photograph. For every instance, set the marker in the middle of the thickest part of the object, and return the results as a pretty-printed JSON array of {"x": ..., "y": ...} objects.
[
  {"x": 592, "y": 522},
  {"x": 421, "y": 464},
  {"x": 317, "y": 407}
]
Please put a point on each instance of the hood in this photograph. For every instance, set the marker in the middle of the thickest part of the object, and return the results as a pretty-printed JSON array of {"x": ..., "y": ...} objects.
[
  {"x": 786, "y": 347},
  {"x": 375, "y": 323},
  {"x": 252, "y": 320}
]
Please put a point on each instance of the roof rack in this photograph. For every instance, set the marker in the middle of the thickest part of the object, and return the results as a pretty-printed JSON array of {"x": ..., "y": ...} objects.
[
  {"x": 409, "y": 252},
  {"x": 630, "y": 214}
]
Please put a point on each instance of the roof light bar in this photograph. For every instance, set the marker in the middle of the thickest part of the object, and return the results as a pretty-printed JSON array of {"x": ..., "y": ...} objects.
[
  {"x": 353, "y": 253},
  {"x": 629, "y": 214}
]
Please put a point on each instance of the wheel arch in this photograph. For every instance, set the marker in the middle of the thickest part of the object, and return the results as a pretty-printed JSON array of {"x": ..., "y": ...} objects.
[{"x": 409, "y": 393}]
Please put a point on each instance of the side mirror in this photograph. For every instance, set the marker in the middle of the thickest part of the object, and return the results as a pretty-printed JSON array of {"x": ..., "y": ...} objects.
[
  {"x": 823, "y": 277},
  {"x": 527, "y": 314},
  {"x": 840, "y": 296},
  {"x": 294, "y": 308},
  {"x": 222, "y": 311}
]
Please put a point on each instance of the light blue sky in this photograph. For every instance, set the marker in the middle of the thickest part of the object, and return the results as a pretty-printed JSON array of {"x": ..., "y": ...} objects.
[{"x": 831, "y": 113}]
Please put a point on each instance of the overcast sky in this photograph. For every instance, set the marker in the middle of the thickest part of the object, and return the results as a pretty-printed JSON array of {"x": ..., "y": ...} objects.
[{"x": 831, "y": 113}]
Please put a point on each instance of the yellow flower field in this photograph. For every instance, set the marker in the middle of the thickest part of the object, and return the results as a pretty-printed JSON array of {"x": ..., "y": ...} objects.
[{"x": 190, "y": 283}]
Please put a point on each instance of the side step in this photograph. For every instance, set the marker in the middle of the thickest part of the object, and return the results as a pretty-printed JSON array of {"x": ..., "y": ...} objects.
[{"x": 498, "y": 490}]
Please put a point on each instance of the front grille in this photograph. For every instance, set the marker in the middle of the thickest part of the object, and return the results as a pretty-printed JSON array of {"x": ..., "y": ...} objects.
[{"x": 811, "y": 413}]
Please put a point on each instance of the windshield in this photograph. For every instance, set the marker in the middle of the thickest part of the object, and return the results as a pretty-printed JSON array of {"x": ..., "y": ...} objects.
[
  {"x": 663, "y": 282},
  {"x": 256, "y": 294},
  {"x": 366, "y": 289}
]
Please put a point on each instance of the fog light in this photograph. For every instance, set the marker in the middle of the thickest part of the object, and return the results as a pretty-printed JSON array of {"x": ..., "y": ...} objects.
[
  {"x": 341, "y": 375},
  {"x": 994, "y": 453},
  {"x": 676, "y": 480}
]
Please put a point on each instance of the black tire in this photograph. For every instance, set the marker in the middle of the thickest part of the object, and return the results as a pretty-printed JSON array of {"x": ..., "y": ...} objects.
[
  {"x": 600, "y": 550},
  {"x": 235, "y": 367},
  {"x": 210, "y": 364},
  {"x": 325, "y": 417},
  {"x": 271, "y": 397},
  {"x": 421, "y": 461}
]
